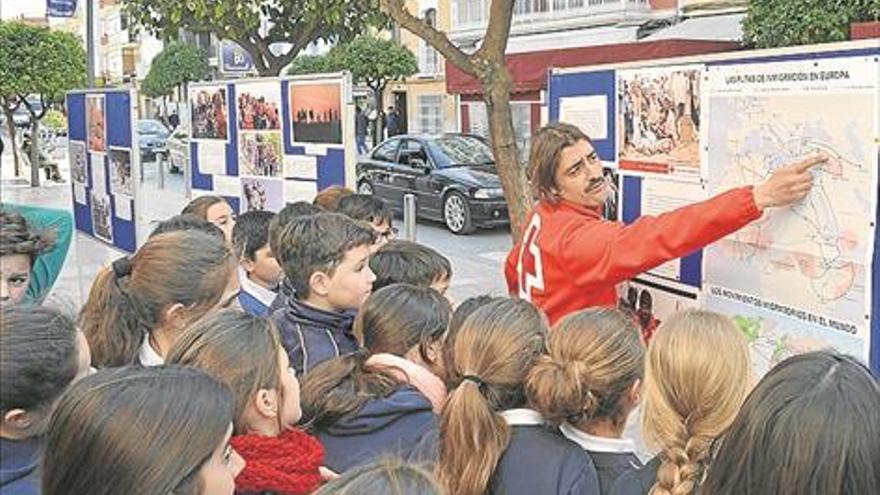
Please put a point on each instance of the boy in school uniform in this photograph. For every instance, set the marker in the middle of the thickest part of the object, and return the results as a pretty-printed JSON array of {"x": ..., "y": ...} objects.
[
  {"x": 281, "y": 220},
  {"x": 259, "y": 272},
  {"x": 370, "y": 209},
  {"x": 408, "y": 262},
  {"x": 325, "y": 258}
]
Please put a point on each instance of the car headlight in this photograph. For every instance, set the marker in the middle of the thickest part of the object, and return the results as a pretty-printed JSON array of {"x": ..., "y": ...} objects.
[{"x": 487, "y": 193}]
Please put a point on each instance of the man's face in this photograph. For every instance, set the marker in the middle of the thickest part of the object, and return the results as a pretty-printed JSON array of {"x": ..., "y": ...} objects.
[
  {"x": 264, "y": 268},
  {"x": 579, "y": 176}
]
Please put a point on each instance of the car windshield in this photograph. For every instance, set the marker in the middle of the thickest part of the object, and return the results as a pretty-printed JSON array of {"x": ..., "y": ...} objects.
[
  {"x": 450, "y": 151},
  {"x": 151, "y": 127}
]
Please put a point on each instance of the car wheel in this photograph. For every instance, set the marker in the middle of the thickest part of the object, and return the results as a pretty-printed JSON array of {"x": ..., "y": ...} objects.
[
  {"x": 365, "y": 188},
  {"x": 457, "y": 214}
]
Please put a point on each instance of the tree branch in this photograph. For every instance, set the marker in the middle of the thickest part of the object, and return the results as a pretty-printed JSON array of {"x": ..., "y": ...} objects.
[
  {"x": 397, "y": 10},
  {"x": 495, "y": 43}
]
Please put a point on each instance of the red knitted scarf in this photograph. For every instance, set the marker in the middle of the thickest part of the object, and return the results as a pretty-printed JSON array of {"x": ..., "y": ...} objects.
[{"x": 287, "y": 464}]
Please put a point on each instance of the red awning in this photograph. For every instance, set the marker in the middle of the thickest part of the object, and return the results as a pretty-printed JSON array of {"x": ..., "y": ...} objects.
[{"x": 529, "y": 69}]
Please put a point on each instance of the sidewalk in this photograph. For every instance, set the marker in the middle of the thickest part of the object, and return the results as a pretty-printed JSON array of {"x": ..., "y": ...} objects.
[{"x": 87, "y": 255}]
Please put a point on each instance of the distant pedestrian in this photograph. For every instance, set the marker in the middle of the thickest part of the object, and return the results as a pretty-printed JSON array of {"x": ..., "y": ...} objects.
[
  {"x": 360, "y": 130},
  {"x": 392, "y": 122}
]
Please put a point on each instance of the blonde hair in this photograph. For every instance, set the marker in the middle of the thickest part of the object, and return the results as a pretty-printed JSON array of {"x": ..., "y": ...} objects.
[
  {"x": 593, "y": 358},
  {"x": 492, "y": 353},
  {"x": 696, "y": 378}
]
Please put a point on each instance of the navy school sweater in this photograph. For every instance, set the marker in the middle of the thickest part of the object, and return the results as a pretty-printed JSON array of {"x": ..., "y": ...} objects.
[
  {"x": 311, "y": 335},
  {"x": 19, "y": 463}
]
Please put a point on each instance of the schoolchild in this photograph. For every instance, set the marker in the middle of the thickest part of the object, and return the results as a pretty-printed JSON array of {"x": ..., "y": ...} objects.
[
  {"x": 187, "y": 222},
  {"x": 281, "y": 220},
  {"x": 361, "y": 413},
  {"x": 461, "y": 313},
  {"x": 408, "y": 262},
  {"x": 490, "y": 440},
  {"x": 259, "y": 272},
  {"x": 138, "y": 307},
  {"x": 811, "y": 426},
  {"x": 41, "y": 354},
  {"x": 33, "y": 245},
  {"x": 214, "y": 209},
  {"x": 696, "y": 377},
  {"x": 403, "y": 327},
  {"x": 328, "y": 198},
  {"x": 325, "y": 258},
  {"x": 370, "y": 209},
  {"x": 244, "y": 352},
  {"x": 151, "y": 431},
  {"x": 589, "y": 382}
]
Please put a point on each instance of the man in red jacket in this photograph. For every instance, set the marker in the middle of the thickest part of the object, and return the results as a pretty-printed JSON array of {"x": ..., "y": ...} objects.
[{"x": 570, "y": 258}]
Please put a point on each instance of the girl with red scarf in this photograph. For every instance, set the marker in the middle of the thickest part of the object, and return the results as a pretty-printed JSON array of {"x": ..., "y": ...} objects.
[{"x": 245, "y": 353}]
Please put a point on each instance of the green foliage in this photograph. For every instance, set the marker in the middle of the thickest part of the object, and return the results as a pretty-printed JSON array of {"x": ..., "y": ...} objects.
[
  {"x": 298, "y": 22},
  {"x": 177, "y": 64},
  {"x": 54, "y": 120},
  {"x": 774, "y": 23},
  {"x": 313, "y": 64},
  {"x": 375, "y": 61},
  {"x": 750, "y": 327},
  {"x": 35, "y": 60}
]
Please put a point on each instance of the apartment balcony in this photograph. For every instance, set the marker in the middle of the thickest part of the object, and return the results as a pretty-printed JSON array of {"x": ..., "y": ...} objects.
[{"x": 469, "y": 17}]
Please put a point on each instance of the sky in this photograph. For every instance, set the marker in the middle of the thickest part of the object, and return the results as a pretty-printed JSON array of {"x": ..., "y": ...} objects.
[{"x": 30, "y": 8}]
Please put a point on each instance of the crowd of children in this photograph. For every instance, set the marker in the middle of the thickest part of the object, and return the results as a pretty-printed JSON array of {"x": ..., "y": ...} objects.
[{"x": 310, "y": 351}]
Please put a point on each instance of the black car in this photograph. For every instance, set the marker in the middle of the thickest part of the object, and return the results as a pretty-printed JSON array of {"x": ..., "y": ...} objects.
[{"x": 453, "y": 177}]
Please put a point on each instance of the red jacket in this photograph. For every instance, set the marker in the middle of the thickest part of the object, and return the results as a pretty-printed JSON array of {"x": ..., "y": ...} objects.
[{"x": 573, "y": 258}]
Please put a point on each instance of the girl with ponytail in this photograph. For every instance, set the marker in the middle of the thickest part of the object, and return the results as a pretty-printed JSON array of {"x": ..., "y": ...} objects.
[
  {"x": 138, "y": 307},
  {"x": 491, "y": 442},
  {"x": 244, "y": 352},
  {"x": 696, "y": 378},
  {"x": 589, "y": 382}
]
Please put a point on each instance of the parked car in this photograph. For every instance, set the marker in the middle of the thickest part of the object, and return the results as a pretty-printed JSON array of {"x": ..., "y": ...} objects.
[
  {"x": 452, "y": 176},
  {"x": 178, "y": 150},
  {"x": 152, "y": 138}
]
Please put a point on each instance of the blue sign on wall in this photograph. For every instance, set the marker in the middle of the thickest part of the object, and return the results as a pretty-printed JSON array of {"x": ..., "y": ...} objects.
[
  {"x": 234, "y": 58},
  {"x": 60, "y": 8}
]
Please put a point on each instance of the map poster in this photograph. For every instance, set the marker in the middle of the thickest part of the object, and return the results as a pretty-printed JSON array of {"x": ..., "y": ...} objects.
[{"x": 812, "y": 258}]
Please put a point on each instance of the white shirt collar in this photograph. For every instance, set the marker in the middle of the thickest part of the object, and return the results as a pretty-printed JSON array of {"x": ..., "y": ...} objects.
[
  {"x": 522, "y": 417},
  {"x": 264, "y": 295},
  {"x": 597, "y": 444},
  {"x": 147, "y": 355}
]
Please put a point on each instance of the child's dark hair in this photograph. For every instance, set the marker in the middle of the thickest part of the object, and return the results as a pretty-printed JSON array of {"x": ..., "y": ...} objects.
[
  {"x": 389, "y": 476},
  {"x": 187, "y": 222},
  {"x": 365, "y": 207},
  {"x": 251, "y": 233},
  {"x": 819, "y": 413},
  {"x": 397, "y": 318},
  {"x": 38, "y": 356},
  {"x": 593, "y": 358},
  {"x": 127, "y": 300},
  {"x": 318, "y": 243},
  {"x": 408, "y": 262},
  {"x": 341, "y": 386},
  {"x": 17, "y": 236},
  {"x": 285, "y": 216},
  {"x": 135, "y": 430}
]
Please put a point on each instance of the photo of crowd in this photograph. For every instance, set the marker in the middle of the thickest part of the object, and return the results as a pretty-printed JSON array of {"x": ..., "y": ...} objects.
[
  {"x": 262, "y": 194},
  {"x": 95, "y": 123},
  {"x": 316, "y": 111},
  {"x": 659, "y": 115},
  {"x": 102, "y": 224},
  {"x": 259, "y": 108},
  {"x": 260, "y": 153},
  {"x": 120, "y": 172},
  {"x": 77, "y": 153},
  {"x": 209, "y": 115}
]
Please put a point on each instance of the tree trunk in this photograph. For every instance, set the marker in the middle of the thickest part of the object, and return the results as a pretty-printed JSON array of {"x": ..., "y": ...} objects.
[
  {"x": 35, "y": 152},
  {"x": 496, "y": 88},
  {"x": 10, "y": 124}
]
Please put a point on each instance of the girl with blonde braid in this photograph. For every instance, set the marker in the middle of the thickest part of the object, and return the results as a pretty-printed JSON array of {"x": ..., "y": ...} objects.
[{"x": 696, "y": 377}]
